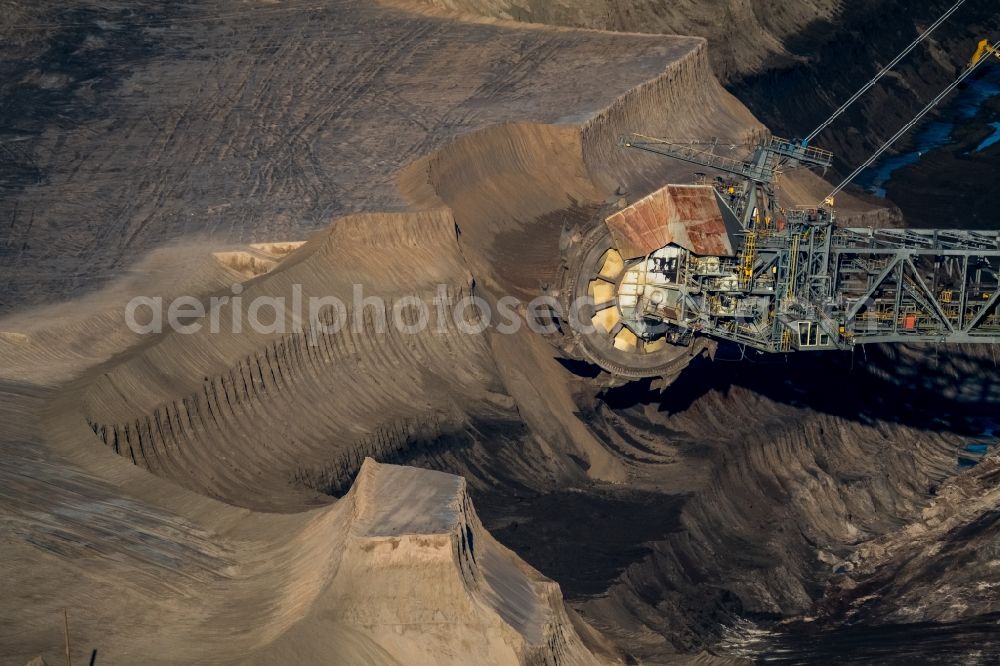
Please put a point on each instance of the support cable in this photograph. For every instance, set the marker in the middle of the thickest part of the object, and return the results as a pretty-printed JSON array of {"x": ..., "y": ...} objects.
[
  {"x": 934, "y": 102},
  {"x": 885, "y": 70}
]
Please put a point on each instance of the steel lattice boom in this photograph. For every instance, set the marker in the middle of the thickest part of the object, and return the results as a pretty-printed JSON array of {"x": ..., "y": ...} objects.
[
  {"x": 810, "y": 285},
  {"x": 726, "y": 261}
]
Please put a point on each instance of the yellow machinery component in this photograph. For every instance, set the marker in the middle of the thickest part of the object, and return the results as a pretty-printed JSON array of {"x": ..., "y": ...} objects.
[
  {"x": 793, "y": 267},
  {"x": 601, "y": 291},
  {"x": 606, "y": 319},
  {"x": 612, "y": 265},
  {"x": 655, "y": 345},
  {"x": 626, "y": 340},
  {"x": 876, "y": 315},
  {"x": 983, "y": 50}
]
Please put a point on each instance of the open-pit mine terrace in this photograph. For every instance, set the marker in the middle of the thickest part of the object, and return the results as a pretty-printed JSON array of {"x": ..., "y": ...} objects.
[{"x": 212, "y": 498}]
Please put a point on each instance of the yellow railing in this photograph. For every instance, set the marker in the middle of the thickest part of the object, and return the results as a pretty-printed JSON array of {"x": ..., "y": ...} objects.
[
  {"x": 748, "y": 259},
  {"x": 793, "y": 267}
]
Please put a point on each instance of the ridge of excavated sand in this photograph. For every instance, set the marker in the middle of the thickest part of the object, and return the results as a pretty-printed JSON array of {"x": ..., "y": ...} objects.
[
  {"x": 414, "y": 582},
  {"x": 216, "y": 435},
  {"x": 235, "y": 392},
  {"x": 309, "y": 117}
]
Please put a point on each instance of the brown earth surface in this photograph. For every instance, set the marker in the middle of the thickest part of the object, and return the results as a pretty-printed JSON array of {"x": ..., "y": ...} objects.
[{"x": 210, "y": 497}]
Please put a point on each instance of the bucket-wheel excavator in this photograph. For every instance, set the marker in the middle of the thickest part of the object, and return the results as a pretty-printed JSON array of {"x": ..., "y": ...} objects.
[{"x": 687, "y": 265}]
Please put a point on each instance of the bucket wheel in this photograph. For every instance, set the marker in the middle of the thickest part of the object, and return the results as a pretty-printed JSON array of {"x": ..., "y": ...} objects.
[{"x": 598, "y": 271}]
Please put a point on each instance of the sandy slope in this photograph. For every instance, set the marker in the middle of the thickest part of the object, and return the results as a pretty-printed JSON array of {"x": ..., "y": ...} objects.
[
  {"x": 198, "y": 135},
  {"x": 188, "y": 409},
  {"x": 745, "y": 36},
  {"x": 176, "y": 491},
  {"x": 259, "y": 124},
  {"x": 791, "y": 63},
  {"x": 398, "y": 571}
]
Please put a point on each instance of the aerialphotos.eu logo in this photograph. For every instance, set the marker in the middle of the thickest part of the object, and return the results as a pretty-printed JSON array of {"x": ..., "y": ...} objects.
[{"x": 439, "y": 311}]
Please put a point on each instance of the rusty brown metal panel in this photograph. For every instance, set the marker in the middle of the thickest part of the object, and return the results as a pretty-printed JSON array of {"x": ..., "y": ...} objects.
[{"x": 687, "y": 215}]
